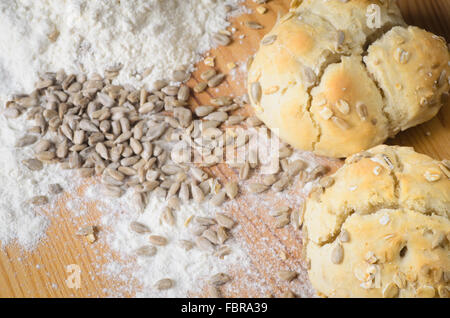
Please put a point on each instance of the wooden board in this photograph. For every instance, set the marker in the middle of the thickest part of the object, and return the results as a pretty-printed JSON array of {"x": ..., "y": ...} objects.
[{"x": 43, "y": 272}]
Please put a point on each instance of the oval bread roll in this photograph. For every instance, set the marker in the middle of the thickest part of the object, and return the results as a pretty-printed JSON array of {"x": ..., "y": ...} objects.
[
  {"x": 324, "y": 81},
  {"x": 382, "y": 229}
]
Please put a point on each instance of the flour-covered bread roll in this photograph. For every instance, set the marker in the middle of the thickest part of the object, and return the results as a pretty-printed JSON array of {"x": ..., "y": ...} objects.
[
  {"x": 323, "y": 80},
  {"x": 382, "y": 228}
]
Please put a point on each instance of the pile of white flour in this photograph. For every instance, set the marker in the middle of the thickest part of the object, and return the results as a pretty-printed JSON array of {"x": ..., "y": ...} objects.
[
  {"x": 19, "y": 220},
  {"x": 91, "y": 36}
]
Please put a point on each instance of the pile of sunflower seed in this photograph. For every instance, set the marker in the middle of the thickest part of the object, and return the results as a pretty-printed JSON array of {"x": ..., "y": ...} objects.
[{"x": 139, "y": 139}]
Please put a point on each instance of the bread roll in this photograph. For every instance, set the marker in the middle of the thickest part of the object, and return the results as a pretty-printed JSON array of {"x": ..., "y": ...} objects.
[
  {"x": 382, "y": 229},
  {"x": 324, "y": 81}
]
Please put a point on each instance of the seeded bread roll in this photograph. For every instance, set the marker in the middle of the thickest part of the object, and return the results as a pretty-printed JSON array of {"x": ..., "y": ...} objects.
[
  {"x": 411, "y": 66},
  {"x": 382, "y": 228},
  {"x": 310, "y": 84}
]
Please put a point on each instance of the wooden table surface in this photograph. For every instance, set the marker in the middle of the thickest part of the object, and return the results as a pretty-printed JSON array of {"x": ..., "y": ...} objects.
[{"x": 42, "y": 273}]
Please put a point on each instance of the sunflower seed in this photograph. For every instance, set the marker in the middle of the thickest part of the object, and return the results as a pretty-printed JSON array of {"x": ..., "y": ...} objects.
[
  {"x": 184, "y": 192},
  {"x": 234, "y": 120},
  {"x": 257, "y": 187},
  {"x": 208, "y": 74},
  {"x": 337, "y": 254},
  {"x": 255, "y": 90},
  {"x": 88, "y": 126},
  {"x": 216, "y": 80},
  {"x": 295, "y": 167},
  {"x": 198, "y": 229},
  {"x": 244, "y": 171},
  {"x": 164, "y": 284},
  {"x": 222, "y": 252},
  {"x": 39, "y": 200},
  {"x": 186, "y": 245},
  {"x": 222, "y": 101},
  {"x": 204, "y": 244},
  {"x": 179, "y": 76},
  {"x": 146, "y": 251},
  {"x": 280, "y": 211},
  {"x": 442, "y": 78},
  {"x": 221, "y": 39},
  {"x": 282, "y": 220},
  {"x": 217, "y": 116},
  {"x": 219, "y": 279},
  {"x": 309, "y": 76},
  {"x": 326, "y": 182},
  {"x": 281, "y": 184},
  {"x": 231, "y": 189},
  {"x": 139, "y": 227},
  {"x": 204, "y": 220},
  {"x": 362, "y": 111},
  {"x": 268, "y": 40},
  {"x": 197, "y": 193},
  {"x": 296, "y": 218},
  {"x": 401, "y": 56},
  {"x": 54, "y": 188},
  {"x": 202, "y": 111},
  {"x": 341, "y": 123},
  {"x": 26, "y": 141},
  {"x": 157, "y": 240},
  {"x": 101, "y": 149},
  {"x": 168, "y": 217},
  {"x": 287, "y": 275},
  {"x": 85, "y": 172},
  {"x": 183, "y": 93},
  {"x": 42, "y": 145},
  {"x": 113, "y": 191},
  {"x": 224, "y": 221},
  {"x": 253, "y": 25},
  {"x": 344, "y": 236},
  {"x": 46, "y": 155},
  {"x": 253, "y": 121},
  {"x": 200, "y": 87},
  {"x": 183, "y": 115},
  {"x": 218, "y": 198},
  {"x": 33, "y": 164},
  {"x": 211, "y": 236},
  {"x": 139, "y": 202},
  {"x": 123, "y": 137},
  {"x": 343, "y": 106}
]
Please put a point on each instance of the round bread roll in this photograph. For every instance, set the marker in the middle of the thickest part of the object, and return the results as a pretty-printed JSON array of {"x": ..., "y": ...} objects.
[
  {"x": 382, "y": 228},
  {"x": 324, "y": 81}
]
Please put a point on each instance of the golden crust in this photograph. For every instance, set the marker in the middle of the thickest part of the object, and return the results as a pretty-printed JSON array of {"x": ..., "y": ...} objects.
[
  {"x": 299, "y": 64},
  {"x": 385, "y": 199},
  {"x": 345, "y": 91},
  {"x": 400, "y": 249},
  {"x": 351, "y": 18},
  {"x": 408, "y": 64}
]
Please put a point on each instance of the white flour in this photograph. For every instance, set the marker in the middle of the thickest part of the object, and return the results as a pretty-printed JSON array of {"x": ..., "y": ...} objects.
[
  {"x": 19, "y": 220},
  {"x": 91, "y": 36},
  {"x": 189, "y": 269}
]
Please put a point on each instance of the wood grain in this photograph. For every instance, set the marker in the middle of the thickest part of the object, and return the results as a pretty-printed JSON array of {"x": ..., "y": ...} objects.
[{"x": 43, "y": 272}]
